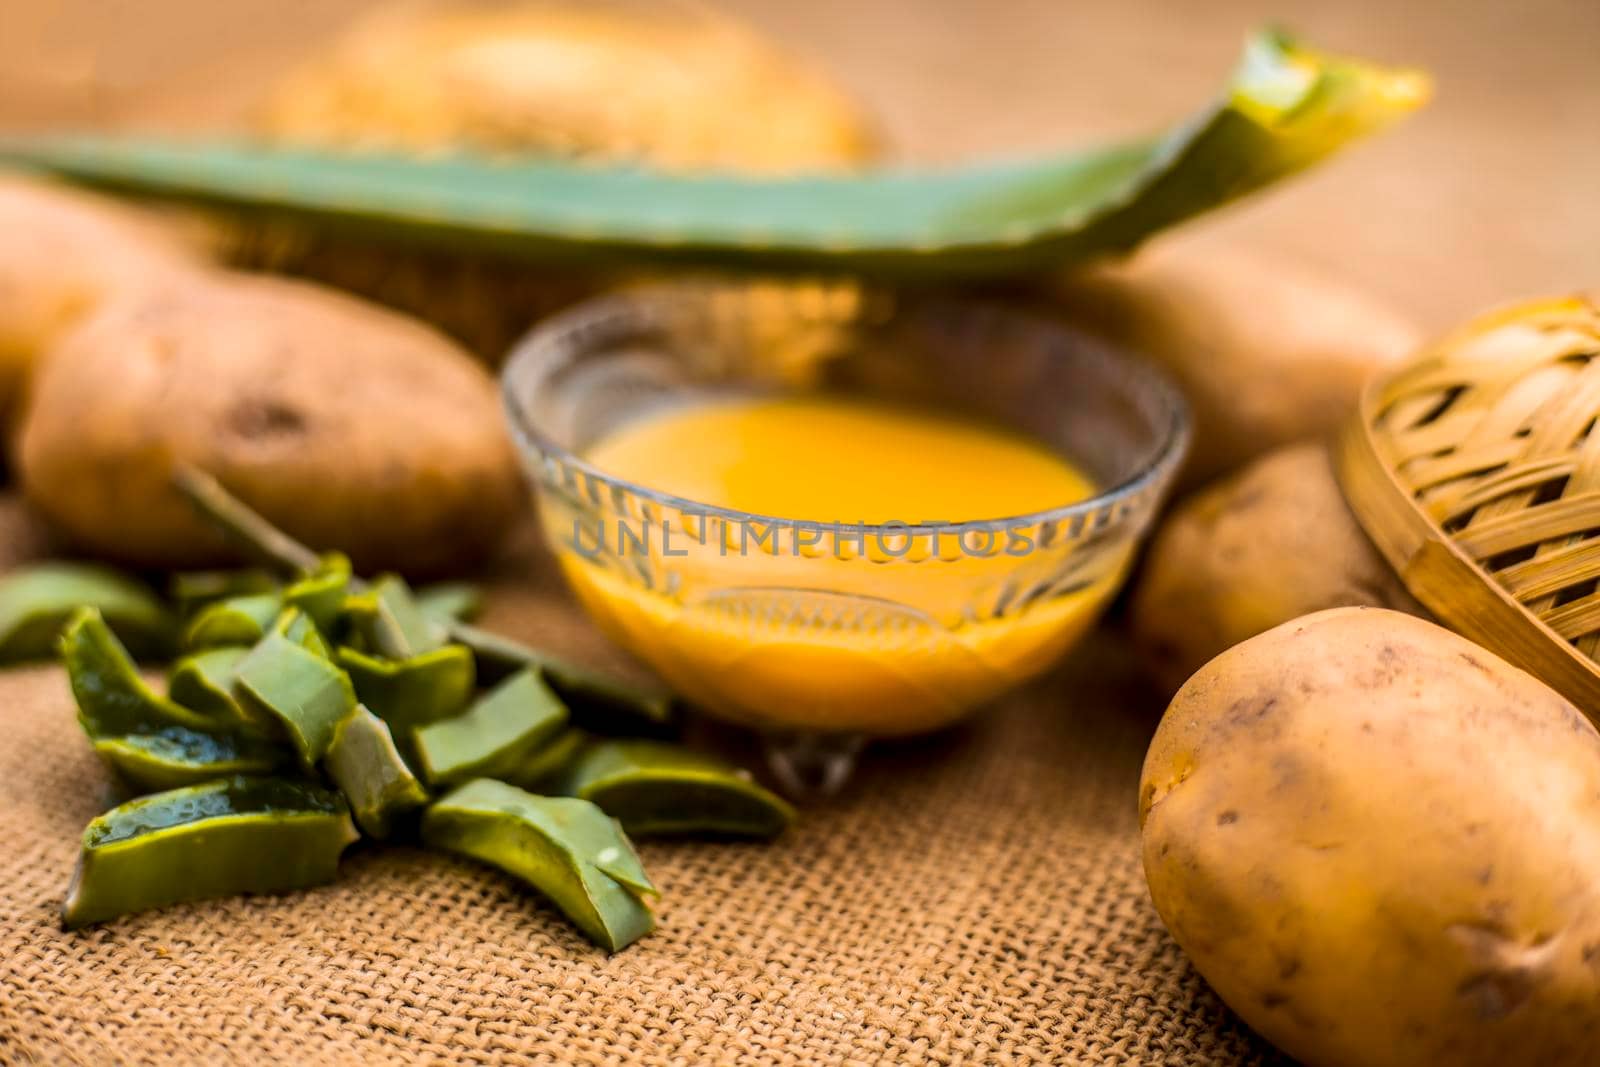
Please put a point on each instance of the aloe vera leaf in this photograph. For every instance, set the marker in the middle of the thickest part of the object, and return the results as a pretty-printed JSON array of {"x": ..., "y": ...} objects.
[
  {"x": 367, "y": 767},
  {"x": 151, "y": 741},
  {"x": 1285, "y": 108},
  {"x": 203, "y": 682},
  {"x": 568, "y": 849},
  {"x": 175, "y": 757},
  {"x": 36, "y": 603},
  {"x": 298, "y": 627},
  {"x": 547, "y": 765},
  {"x": 495, "y": 736},
  {"x": 111, "y": 697},
  {"x": 411, "y": 692},
  {"x": 386, "y": 615},
  {"x": 219, "y": 838},
  {"x": 193, "y": 590},
  {"x": 654, "y": 788},
  {"x": 242, "y": 620},
  {"x": 321, "y": 595},
  {"x": 447, "y": 602},
  {"x": 605, "y": 705},
  {"x": 305, "y": 692},
  {"x": 598, "y": 702}
]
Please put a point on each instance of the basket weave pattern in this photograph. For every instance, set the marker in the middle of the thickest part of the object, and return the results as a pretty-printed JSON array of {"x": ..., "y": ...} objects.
[{"x": 1477, "y": 470}]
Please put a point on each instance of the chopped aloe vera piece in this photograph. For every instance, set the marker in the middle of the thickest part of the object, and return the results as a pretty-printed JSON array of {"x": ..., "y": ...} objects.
[
  {"x": 598, "y": 702},
  {"x": 302, "y": 690},
  {"x": 367, "y": 767},
  {"x": 240, "y": 620},
  {"x": 150, "y": 741},
  {"x": 387, "y": 616},
  {"x": 447, "y": 602},
  {"x": 175, "y": 757},
  {"x": 112, "y": 698},
  {"x": 495, "y": 736},
  {"x": 568, "y": 849},
  {"x": 656, "y": 788},
  {"x": 36, "y": 603},
  {"x": 298, "y": 627},
  {"x": 232, "y": 835},
  {"x": 547, "y": 764},
  {"x": 412, "y": 692},
  {"x": 203, "y": 681},
  {"x": 193, "y": 590},
  {"x": 321, "y": 595}
]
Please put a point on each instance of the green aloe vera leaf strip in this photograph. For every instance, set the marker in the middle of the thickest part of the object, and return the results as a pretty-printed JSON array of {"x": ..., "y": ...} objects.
[
  {"x": 298, "y": 627},
  {"x": 412, "y": 692},
  {"x": 447, "y": 602},
  {"x": 1285, "y": 108},
  {"x": 37, "y": 601},
  {"x": 567, "y": 849},
  {"x": 321, "y": 595},
  {"x": 112, "y": 698},
  {"x": 241, "y": 620},
  {"x": 174, "y": 757},
  {"x": 203, "y": 682},
  {"x": 599, "y": 702},
  {"x": 654, "y": 788},
  {"x": 546, "y": 765},
  {"x": 151, "y": 741},
  {"x": 367, "y": 767},
  {"x": 495, "y": 736},
  {"x": 219, "y": 838},
  {"x": 388, "y": 618},
  {"x": 305, "y": 692},
  {"x": 193, "y": 590}
]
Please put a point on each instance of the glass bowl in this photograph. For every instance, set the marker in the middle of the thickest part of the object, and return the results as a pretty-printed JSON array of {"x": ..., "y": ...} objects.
[{"x": 815, "y": 632}]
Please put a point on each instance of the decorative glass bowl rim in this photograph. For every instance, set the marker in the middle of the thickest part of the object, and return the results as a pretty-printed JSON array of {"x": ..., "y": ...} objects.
[{"x": 554, "y": 336}]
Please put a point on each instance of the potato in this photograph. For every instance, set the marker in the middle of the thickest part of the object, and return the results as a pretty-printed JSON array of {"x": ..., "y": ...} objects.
[
  {"x": 350, "y": 426},
  {"x": 1258, "y": 548},
  {"x": 1267, "y": 353},
  {"x": 1380, "y": 844},
  {"x": 24, "y": 537},
  {"x": 61, "y": 253},
  {"x": 675, "y": 88}
]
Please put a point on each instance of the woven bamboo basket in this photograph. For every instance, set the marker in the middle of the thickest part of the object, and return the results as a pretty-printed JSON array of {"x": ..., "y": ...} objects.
[{"x": 1476, "y": 470}]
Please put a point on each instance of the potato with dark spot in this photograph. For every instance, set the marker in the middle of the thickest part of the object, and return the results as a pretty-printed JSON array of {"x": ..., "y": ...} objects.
[
  {"x": 1380, "y": 844},
  {"x": 1258, "y": 548},
  {"x": 350, "y": 426}
]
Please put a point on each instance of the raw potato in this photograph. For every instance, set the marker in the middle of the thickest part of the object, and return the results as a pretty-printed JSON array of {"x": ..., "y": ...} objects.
[
  {"x": 673, "y": 87},
  {"x": 349, "y": 426},
  {"x": 1273, "y": 542},
  {"x": 1266, "y": 353},
  {"x": 62, "y": 252},
  {"x": 1380, "y": 844}
]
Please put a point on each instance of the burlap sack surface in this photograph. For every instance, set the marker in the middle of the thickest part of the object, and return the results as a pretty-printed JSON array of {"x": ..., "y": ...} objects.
[{"x": 973, "y": 898}]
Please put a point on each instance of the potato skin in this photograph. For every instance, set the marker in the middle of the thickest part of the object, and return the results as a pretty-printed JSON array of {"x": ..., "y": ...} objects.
[
  {"x": 673, "y": 87},
  {"x": 1271, "y": 543},
  {"x": 62, "y": 253},
  {"x": 350, "y": 426},
  {"x": 1268, "y": 352},
  {"x": 1380, "y": 844}
]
